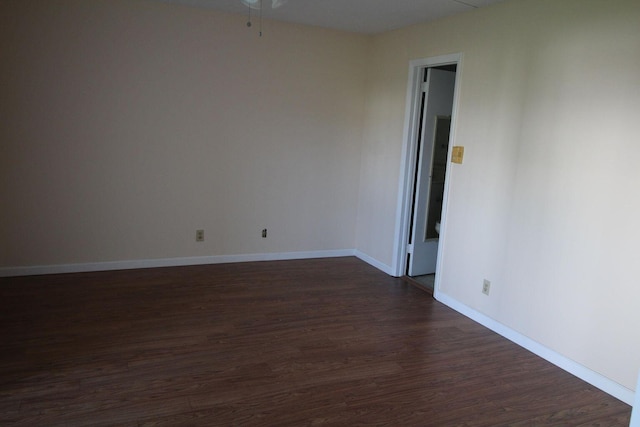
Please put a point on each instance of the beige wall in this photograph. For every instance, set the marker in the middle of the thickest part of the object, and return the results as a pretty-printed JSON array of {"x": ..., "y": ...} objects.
[
  {"x": 127, "y": 125},
  {"x": 546, "y": 203}
]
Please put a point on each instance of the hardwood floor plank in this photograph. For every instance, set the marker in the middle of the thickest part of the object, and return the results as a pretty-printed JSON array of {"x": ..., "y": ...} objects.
[{"x": 286, "y": 343}]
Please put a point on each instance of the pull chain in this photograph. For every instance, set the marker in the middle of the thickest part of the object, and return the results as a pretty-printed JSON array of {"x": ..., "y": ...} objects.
[
  {"x": 260, "y": 18},
  {"x": 249, "y": 24}
]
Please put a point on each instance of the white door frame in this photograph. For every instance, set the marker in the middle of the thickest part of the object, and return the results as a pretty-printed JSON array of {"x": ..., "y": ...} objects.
[{"x": 408, "y": 161}]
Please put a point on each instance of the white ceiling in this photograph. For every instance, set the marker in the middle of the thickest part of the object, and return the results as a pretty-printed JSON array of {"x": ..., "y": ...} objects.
[{"x": 359, "y": 16}]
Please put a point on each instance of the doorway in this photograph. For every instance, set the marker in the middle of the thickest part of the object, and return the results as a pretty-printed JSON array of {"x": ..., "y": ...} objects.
[{"x": 431, "y": 96}]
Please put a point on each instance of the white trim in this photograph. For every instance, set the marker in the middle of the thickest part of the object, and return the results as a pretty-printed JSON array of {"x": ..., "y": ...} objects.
[
  {"x": 635, "y": 412},
  {"x": 595, "y": 379},
  {"x": 408, "y": 158},
  {"x": 374, "y": 262},
  {"x": 169, "y": 262}
]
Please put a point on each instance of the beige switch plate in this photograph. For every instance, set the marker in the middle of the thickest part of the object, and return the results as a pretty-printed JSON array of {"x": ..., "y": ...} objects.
[{"x": 457, "y": 154}]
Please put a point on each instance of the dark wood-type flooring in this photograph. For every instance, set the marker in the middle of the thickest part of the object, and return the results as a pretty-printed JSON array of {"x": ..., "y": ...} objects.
[{"x": 291, "y": 343}]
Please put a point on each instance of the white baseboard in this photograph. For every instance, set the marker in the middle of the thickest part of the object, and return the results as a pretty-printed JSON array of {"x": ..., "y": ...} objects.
[
  {"x": 608, "y": 386},
  {"x": 169, "y": 262},
  {"x": 595, "y": 379},
  {"x": 374, "y": 262}
]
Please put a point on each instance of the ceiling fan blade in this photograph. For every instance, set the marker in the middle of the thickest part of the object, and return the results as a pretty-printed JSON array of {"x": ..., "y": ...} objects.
[
  {"x": 256, "y": 4},
  {"x": 253, "y": 4}
]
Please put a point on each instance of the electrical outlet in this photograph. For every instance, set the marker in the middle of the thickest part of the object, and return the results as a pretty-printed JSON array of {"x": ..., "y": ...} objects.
[
  {"x": 486, "y": 287},
  {"x": 264, "y": 233},
  {"x": 199, "y": 235}
]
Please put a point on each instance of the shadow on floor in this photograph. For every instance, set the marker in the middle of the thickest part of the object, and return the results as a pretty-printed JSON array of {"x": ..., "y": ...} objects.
[{"x": 425, "y": 282}]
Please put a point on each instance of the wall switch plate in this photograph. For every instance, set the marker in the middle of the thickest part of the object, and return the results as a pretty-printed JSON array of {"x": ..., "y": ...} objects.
[
  {"x": 264, "y": 233},
  {"x": 457, "y": 154},
  {"x": 486, "y": 287},
  {"x": 199, "y": 235}
]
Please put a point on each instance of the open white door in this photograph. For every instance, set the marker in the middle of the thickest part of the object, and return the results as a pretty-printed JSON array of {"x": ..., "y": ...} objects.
[{"x": 423, "y": 246}]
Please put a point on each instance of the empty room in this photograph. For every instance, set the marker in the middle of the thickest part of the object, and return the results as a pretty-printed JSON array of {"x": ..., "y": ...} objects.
[{"x": 216, "y": 212}]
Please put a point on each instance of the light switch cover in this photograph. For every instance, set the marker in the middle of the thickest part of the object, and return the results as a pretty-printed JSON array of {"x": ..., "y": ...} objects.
[{"x": 457, "y": 154}]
